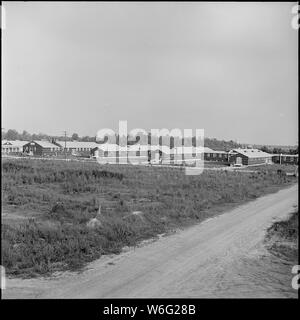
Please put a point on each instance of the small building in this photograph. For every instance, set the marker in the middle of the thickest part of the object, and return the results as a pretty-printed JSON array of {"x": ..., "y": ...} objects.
[
  {"x": 76, "y": 148},
  {"x": 285, "y": 158},
  {"x": 216, "y": 155},
  {"x": 107, "y": 153},
  {"x": 161, "y": 154},
  {"x": 113, "y": 153},
  {"x": 41, "y": 148},
  {"x": 156, "y": 154},
  {"x": 249, "y": 156},
  {"x": 12, "y": 147}
]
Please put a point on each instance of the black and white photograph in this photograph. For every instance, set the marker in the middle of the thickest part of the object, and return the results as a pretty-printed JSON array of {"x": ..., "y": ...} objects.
[{"x": 149, "y": 150}]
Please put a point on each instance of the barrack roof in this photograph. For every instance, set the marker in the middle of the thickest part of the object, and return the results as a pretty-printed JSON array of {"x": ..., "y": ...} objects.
[{"x": 251, "y": 153}]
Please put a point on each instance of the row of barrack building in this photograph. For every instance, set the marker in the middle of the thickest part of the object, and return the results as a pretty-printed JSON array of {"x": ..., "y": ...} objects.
[{"x": 156, "y": 154}]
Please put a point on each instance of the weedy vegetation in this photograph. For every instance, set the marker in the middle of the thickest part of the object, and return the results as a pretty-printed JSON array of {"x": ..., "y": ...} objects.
[
  {"x": 57, "y": 200},
  {"x": 282, "y": 238}
]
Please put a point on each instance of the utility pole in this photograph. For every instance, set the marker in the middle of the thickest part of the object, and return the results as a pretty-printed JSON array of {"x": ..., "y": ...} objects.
[
  {"x": 65, "y": 133},
  {"x": 280, "y": 155}
]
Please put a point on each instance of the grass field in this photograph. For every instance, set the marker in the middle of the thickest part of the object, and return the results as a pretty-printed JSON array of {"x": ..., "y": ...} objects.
[
  {"x": 288, "y": 168},
  {"x": 282, "y": 238},
  {"x": 47, "y": 205}
]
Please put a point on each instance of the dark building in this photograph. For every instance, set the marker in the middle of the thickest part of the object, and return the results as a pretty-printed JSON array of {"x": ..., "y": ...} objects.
[
  {"x": 248, "y": 157},
  {"x": 285, "y": 158},
  {"x": 41, "y": 148},
  {"x": 216, "y": 156},
  {"x": 77, "y": 148}
]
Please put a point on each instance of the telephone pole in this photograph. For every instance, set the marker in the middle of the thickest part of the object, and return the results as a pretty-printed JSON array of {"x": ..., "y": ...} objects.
[{"x": 65, "y": 133}]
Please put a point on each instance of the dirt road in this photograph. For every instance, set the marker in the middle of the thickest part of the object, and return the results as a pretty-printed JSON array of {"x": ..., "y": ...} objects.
[{"x": 221, "y": 257}]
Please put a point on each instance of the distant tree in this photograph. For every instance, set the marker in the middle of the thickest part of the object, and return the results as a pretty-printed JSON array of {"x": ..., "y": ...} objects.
[
  {"x": 12, "y": 134},
  {"x": 26, "y": 136},
  {"x": 278, "y": 150},
  {"x": 43, "y": 136},
  {"x": 293, "y": 151},
  {"x": 265, "y": 149},
  {"x": 221, "y": 145},
  {"x": 85, "y": 138},
  {"x": 35, "y": 137},
  {"x": 75, "y": 136}
]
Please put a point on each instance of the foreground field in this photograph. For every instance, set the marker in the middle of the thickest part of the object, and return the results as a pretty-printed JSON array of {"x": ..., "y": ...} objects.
[
  {"x": 47, "y": 206},
  {"x": 282, "y": 239},
  {"x": 223, "y": 257}
]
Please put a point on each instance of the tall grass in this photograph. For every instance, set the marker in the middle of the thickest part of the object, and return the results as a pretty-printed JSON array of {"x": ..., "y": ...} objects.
[
  {"x": 282, "y": 238},
  {"x": 67, "y": 195}
]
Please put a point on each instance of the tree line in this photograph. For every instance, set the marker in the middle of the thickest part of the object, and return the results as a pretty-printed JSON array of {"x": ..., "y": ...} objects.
[
  {"x": 13, "y": 134},
  {"x": 279, "y": 150},
  {"x": 212, "y": 143}
]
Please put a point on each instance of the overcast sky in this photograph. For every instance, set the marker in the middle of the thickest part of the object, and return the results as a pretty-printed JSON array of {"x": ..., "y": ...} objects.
[{"x": 229, "y": 68}]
